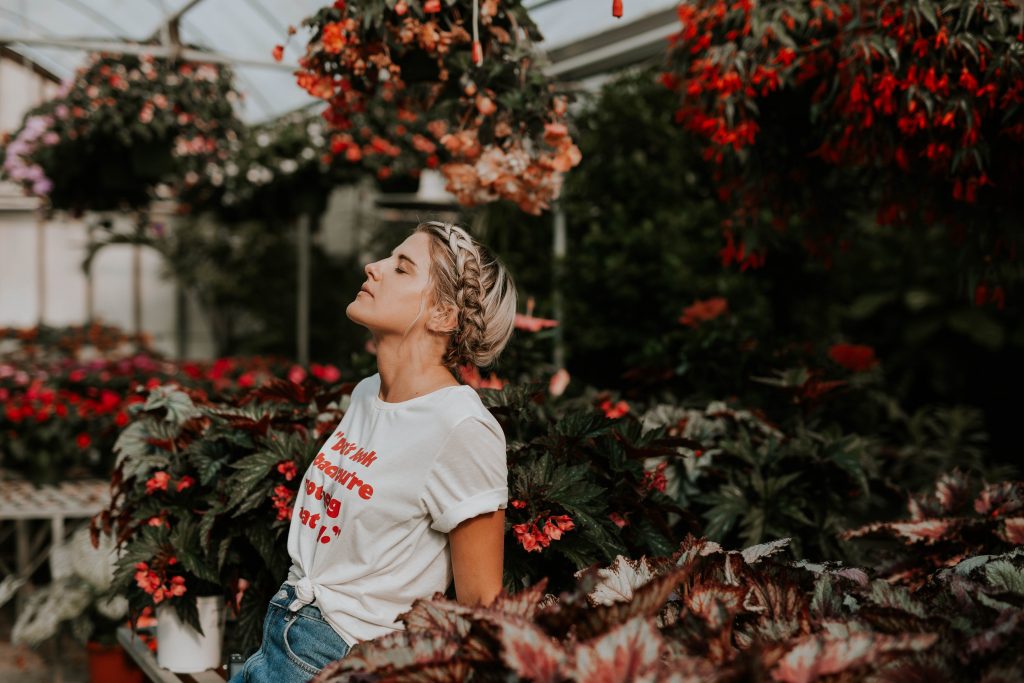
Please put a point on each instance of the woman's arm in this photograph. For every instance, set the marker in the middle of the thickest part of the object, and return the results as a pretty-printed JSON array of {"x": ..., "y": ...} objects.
[{"x": 478, "y": 555}]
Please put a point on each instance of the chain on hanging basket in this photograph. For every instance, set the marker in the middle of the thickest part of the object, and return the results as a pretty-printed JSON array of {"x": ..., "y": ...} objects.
[{"x": 467, "y": 71}]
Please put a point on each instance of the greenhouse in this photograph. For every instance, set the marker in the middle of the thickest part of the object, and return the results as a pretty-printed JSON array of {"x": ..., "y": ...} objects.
[{"x": 540, "y": 340}]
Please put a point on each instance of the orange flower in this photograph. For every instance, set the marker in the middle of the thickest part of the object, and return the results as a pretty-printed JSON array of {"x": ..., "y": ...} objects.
[
  {"x": 333, "y": 38},
  {"x": 702, "y": 311},
  {"x": 278, "y": 53}
]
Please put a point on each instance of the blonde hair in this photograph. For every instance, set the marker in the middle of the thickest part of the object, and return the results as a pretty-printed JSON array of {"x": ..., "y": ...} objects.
[{"x": 465, "y": 273}]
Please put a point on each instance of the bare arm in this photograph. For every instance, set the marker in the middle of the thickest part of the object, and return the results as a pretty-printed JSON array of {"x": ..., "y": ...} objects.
[{"x": 478, "y": 555}]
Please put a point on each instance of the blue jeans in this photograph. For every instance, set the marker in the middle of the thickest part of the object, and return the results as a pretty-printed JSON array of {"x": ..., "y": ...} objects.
[{"x": 296, "y": 645}]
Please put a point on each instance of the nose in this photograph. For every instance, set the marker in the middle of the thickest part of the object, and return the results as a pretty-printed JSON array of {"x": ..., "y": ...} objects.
[{"x": 372, "y": 270}]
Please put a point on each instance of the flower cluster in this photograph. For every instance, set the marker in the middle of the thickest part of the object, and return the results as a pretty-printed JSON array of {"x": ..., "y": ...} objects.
[
  {"x": 19, "y": 165},
  {"x": 534, "y": 537},
  {"x": 156, "y": 583},
  {"x": 282, "y": 499},
  {"x": 919, "y": 101},
  {"x": 476, "y": 108},
  {"x": 65, "y": 394}
]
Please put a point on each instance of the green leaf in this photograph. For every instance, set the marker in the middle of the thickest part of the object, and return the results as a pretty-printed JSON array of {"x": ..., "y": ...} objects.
[{"x": 1005, "y": 577}]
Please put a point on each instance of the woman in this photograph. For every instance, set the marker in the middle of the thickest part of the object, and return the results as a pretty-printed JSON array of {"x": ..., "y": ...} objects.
[{"x": 409, "y": 491}]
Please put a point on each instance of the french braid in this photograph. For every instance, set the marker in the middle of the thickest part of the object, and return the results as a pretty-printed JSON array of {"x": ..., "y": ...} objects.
[{"x": 467, "y": 275}]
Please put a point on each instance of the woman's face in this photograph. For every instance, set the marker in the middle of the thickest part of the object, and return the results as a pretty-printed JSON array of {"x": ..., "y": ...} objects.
[{"x": 395, "y": 289}]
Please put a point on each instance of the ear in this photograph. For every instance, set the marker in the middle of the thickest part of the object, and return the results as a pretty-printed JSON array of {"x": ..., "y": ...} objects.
[{"x": 443, "y": 318}]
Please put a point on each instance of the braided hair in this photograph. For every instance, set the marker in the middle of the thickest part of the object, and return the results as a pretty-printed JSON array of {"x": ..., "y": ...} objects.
[{"x": 467, "y": 275}]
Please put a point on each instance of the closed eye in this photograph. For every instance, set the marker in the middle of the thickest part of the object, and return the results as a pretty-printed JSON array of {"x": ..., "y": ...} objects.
[{"x": 399, "y": 270}]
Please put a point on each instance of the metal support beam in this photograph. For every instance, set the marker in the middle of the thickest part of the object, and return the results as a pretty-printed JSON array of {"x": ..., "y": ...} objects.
[{"x": 131, "y": 48}]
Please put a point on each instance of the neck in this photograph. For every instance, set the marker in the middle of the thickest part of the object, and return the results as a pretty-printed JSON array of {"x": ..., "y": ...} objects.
[{"x": 408, "y": 370}]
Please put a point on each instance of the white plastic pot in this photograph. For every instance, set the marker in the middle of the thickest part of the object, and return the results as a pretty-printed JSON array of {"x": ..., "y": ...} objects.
[{"x": 180, "y": 648}]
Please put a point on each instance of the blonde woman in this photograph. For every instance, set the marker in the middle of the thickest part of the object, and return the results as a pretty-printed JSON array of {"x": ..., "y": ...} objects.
[{"x": 409, "y": 491}]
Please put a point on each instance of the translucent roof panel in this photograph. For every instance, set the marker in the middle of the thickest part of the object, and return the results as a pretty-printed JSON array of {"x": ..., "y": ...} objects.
[
  {"x": 567, "y": 21},
  {"x": 56, "y": 34}
]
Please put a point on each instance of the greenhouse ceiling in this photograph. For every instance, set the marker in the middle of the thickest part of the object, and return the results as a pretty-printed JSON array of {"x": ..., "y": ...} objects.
[{"x": 581, "y": 37}]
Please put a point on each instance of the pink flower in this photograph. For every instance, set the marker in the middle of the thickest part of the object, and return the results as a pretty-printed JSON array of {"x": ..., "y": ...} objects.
[
  {"x": 296, "y": 374},
  {"x": 526, "y": 537},
  {"x": 558, "y": 382},
  {"x": 158, "y": 482},
  {"x": 532, "y": 324},
  {"x": 552, "y": 531},
  {"x": 618, "y": 519}
]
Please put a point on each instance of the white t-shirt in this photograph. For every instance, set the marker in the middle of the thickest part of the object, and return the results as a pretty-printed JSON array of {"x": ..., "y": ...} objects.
[{"x": 369, "y": 530}]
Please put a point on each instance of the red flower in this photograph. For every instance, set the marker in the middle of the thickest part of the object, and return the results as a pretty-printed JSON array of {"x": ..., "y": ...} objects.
[
  {"x": 614, "y": 411},
  {"x": 702, "y": 311},
  {"x": 853, "y": 357},
  {"x": 122, "y": 418},
  {"x": 278, "y": 53},
  {"x": 517, "y": 504},
  {"x": 158, "y": 482},
  {"x": 432, "y": 6},
  {"x": 185, "y": 482},
  {"x": 282, "y": 498},
  {"x": 564, "y": 522},
  {"x": 618, "y": 519},
  {"x": 288, "y": 469},
  {"x": 83, "y": 440},
  {"x": 526, "y": 537}
]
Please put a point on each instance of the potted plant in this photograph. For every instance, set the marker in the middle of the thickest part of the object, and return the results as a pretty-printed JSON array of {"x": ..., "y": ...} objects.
[
  {"x": 201, "y": 501},
  {"x": 81, "y": 594}
]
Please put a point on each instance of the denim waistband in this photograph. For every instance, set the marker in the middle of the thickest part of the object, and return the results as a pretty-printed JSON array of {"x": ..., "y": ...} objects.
[{"x": 285, "y": 596}]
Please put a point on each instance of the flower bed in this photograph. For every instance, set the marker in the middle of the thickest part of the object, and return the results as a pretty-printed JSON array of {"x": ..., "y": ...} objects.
[{"x": 65, "y": 394}]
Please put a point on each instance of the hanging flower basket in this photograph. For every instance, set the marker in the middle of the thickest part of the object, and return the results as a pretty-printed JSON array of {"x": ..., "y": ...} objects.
[
  {"x": 124, "y": 130},
  {"x": 467, "y": 71}
]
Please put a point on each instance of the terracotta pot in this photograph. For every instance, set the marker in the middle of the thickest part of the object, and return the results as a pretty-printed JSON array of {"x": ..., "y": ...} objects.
[{"x": 111, "y": 664}]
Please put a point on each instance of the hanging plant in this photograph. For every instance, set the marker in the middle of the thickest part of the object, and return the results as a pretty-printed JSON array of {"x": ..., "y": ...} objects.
[
  {"x": 124, "y": 130},
  {"x": 467, "y": 71},
  {"x": 810, "y": 113},
  {"x": 280, "y": 169}
]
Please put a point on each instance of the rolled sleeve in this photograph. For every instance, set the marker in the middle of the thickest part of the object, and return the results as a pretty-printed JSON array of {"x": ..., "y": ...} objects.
[{"x": 469, "y": 476}]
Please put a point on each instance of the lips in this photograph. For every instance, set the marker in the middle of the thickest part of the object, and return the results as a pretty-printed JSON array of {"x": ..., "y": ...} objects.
[{"x": 364, "y": 289}]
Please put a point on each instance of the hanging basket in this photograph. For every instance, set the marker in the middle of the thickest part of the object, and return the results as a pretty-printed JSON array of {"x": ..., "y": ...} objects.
[{"x": 180, "y": 648}]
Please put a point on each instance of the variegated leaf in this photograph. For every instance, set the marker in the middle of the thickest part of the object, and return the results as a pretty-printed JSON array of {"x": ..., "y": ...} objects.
[
  {"x": 756, "y": 552},
  {"x": 815, "y": 656},
  {"x": 951, "y": 491},
  {"x": 1013, "y": 530},
  {"x": 1005, "y": 577},
  {"x": 437, "y": 616},
  {"x": 1004, "y": 497},
  {"x": 628, "y": 653},
  {"x": 647, "y": 602},
  {"x": 926, "y": 530},
  {"x": 859, "y": 576},
  {"x": 715, "y": 603},
  {"x": 530, "y": 653},
  {"x": 620, "y": 581},
  {"x": 524, "y": 603}
]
